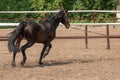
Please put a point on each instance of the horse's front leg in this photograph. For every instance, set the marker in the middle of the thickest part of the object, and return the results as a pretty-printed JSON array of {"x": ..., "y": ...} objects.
[
  {"x": 42, "y": 53},
  {"x": 47, "y": 50}
]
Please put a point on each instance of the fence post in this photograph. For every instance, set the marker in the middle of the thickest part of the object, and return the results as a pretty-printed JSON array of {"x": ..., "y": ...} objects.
[
  {"x": 108, "y": 37},
  {"x": 86, "y": 37},
  {"x": 114, "y": 20},
  {"x": 94, "y": 18}
]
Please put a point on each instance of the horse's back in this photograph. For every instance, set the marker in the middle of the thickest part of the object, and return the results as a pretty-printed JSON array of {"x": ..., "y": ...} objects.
[{"x": 40, "y": 33}]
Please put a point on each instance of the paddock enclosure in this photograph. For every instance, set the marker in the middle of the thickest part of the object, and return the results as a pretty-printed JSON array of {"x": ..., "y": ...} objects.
[{"x": 69, "y": 60}]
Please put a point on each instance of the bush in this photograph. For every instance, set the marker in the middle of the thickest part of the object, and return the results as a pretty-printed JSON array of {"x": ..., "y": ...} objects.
[{"x": 40, "y": 5}]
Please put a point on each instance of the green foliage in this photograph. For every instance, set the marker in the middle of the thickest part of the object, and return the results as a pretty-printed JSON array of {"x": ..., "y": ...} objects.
[{"x": 41, "y": 5}]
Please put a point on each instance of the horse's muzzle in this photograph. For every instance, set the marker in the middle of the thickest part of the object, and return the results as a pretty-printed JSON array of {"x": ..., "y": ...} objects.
[{"x": 67, "y": 26}]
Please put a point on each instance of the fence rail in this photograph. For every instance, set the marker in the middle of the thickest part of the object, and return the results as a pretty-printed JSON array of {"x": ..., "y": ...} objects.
[
  {"x": 86, "y": 37},
  {"x": 72, "y": 24},
  {"x": 103, "y": 11}
]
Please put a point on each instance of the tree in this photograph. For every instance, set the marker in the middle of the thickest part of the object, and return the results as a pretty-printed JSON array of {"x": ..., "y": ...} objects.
[{"x": 36, "y": 5}]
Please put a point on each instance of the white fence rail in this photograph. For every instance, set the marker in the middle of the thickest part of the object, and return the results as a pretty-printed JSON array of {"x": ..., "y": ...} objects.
[
  {"x": 104, "y": 11},
  {"x": 72, "y": 24}
]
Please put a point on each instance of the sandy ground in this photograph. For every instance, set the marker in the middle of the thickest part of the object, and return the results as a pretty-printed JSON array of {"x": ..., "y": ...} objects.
[{"x": 67, "y": 60}]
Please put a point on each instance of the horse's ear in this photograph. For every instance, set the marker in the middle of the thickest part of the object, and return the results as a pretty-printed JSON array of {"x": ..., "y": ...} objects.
[
  {"x": 60, "y": 14},
  {"x": 66, "y": 11}
]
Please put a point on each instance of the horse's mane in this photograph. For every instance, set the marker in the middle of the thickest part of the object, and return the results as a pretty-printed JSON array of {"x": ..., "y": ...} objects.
[{"x": 54, "y": 16}]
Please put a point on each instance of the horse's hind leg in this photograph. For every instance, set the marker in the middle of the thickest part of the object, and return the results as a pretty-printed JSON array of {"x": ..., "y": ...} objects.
[
  {"x": 13, "y": 60},
  {"x": 18, "y": 41},
  {"x": 23, "y": 48},
  {"x": 14, "y": 53}
]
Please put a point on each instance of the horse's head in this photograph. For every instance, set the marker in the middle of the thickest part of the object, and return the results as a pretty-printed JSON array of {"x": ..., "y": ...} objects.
[{"x": 64, "y": 18}]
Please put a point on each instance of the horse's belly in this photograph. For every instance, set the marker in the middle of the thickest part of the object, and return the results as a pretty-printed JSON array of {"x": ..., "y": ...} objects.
[
  {"x": 40, "y": 38},
  {"x": 44, "y": 38}
]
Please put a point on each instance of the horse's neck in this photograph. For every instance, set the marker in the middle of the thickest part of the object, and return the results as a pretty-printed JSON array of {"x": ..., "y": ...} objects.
[{"x": 54, "y": 24}]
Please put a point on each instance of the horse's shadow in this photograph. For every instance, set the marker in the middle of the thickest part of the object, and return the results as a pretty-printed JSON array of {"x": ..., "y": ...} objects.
[
  {"x": 49, "y": 63},
  {"x": 69, "y": 61}
]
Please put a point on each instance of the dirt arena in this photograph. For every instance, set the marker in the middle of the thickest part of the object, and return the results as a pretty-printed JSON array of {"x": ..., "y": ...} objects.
[{"x": 67, "y": 60}]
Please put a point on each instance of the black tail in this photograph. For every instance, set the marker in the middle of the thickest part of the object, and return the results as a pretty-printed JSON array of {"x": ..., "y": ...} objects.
[{"x": 14, "y": 35}]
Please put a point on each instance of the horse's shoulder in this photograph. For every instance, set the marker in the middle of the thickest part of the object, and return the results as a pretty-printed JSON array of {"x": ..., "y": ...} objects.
[{"x": 42, "y": 26}]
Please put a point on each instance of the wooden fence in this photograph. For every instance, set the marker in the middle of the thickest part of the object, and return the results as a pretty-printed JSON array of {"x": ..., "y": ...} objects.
[{"x": 85, "y": 36}]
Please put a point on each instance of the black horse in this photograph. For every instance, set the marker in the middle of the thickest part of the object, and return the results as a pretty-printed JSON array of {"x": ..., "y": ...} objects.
[{"x": 34, "y": 32}]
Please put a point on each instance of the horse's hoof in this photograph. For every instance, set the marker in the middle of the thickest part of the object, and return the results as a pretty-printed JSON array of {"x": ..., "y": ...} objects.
[
  {"x": 13, "y": 63},
  {"x": 40, "y": 63},
  {"x": 22, "y": 63}
]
